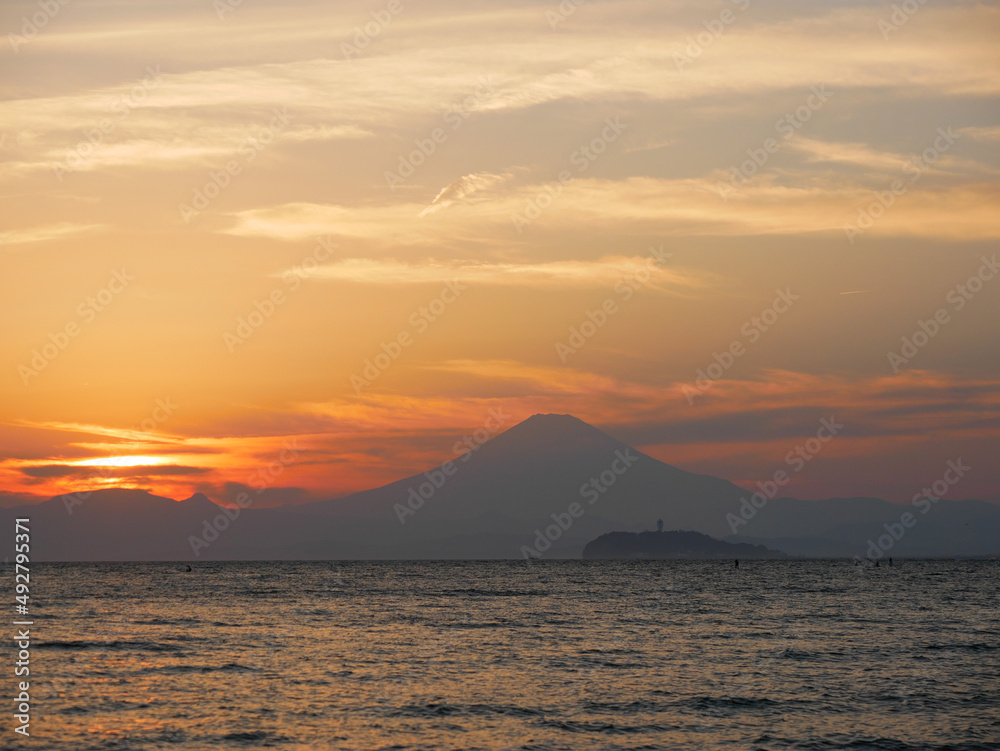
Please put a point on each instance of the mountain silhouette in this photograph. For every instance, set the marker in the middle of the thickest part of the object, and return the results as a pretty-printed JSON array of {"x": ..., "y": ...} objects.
[
  {"x": 538, "y": 467},
  {"x": 550, "y": 484}
]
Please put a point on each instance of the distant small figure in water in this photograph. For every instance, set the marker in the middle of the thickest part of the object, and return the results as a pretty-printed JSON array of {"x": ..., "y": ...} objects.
[
  {"x": 188, "y": 568},
  {"x": 737, "y": 562},
  {"x": 890, "y": 560},
  {"x": 659, "y": 525},
  {"x": 876, "y": 564}
]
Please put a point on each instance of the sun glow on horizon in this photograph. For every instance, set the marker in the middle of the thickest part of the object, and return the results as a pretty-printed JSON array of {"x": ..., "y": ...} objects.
[{"x": 123, "y": 461}]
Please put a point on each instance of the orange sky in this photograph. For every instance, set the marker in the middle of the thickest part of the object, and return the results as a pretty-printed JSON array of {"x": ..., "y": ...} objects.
[{"x": 212, "y": 226}]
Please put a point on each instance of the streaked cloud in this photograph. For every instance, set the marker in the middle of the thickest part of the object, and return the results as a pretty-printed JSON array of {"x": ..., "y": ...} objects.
[
  {"x": 463, "y": 187},
  {"x": 70, "y": 470},
  {"x": 43, "y": 234},
  {"x": 601, "y": 273},
  {"x": 770, "y": 204},
  {"x": 982, "y": 134},
  {"x": 850, "y": 153}
]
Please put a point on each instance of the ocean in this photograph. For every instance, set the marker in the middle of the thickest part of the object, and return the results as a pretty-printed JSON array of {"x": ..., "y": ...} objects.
[{"x": 515, "y": 655}]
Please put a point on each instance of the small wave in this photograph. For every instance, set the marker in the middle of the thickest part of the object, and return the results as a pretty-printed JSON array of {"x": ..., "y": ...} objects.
[
  {"x": 709, "y": 703},
  {"x": 633, "y": 707},
  {"x": 111, "y": 646},
  {"x": 255, "y": 736},
  {"x": 472, "y": 625},
  {"x": 801, "y": 655},
  {"x": 159, "y": 621},
  {"x": 231, "y": 667},
  {"x": 609, "y": 652},
  {"x": 613, "y": 664},
  {"x": 887, "y": 744},
  {"x": 493, "y": 592},
  {"x": 606, "y": 727},
  {"x": 75, "y": 710},
  {"x": 472, "y": 710}
]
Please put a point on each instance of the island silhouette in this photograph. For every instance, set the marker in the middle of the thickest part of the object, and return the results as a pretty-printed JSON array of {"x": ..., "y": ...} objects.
[{"x": 683, "y": 544}]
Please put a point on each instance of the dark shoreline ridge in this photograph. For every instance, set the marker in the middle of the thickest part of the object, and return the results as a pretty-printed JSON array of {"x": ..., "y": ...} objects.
[{"x": 673, "y": 544}]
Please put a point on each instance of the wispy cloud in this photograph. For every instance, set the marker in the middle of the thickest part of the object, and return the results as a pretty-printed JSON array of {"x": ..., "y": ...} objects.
[
  {"x": 69, "y": 470},
  {"x": 600, "y": 273},
  {"x": 982, "y": 134},
  {"x": 776, "y": 204},
  {"x": 125, "y": 434},
  {"x": 50, "y": 232},
  {"x": 464, "y": 187},
  {"x": 850, "y": 153}
]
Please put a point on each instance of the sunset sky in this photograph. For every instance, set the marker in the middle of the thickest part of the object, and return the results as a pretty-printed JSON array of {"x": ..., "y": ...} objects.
[{"x": 215, "y": 215}]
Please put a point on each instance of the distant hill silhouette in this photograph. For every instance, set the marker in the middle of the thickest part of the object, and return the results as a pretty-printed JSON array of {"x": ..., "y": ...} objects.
[
  {"x": 494, "y": 501},
  {"x": 672, "y": 544}
]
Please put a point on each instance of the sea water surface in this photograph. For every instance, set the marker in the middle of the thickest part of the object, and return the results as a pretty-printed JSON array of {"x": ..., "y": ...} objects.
[{"x": 516, "y": 655}]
